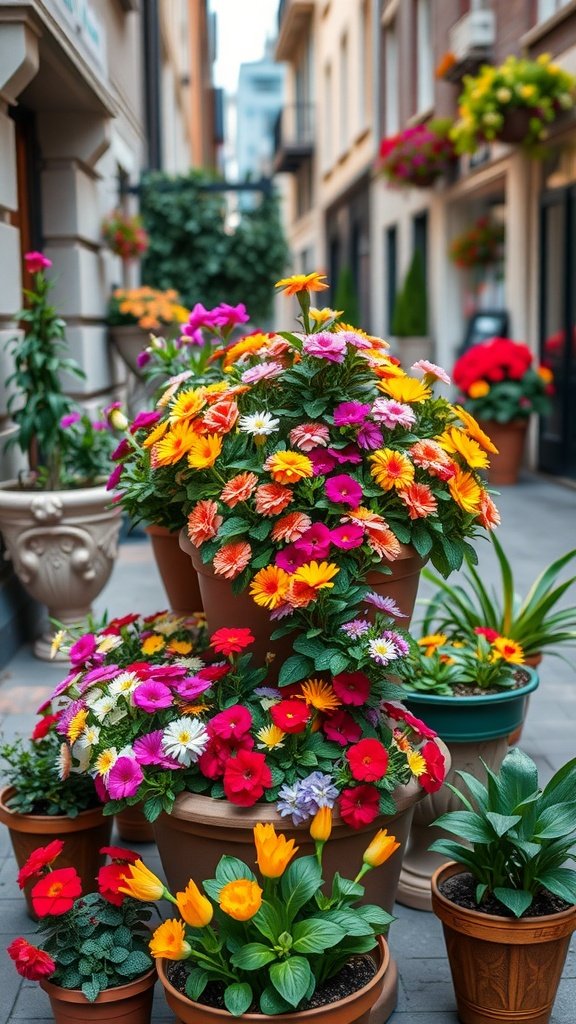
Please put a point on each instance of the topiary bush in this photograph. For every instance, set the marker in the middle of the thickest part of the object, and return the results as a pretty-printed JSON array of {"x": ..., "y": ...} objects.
[{"x": 410, "y": 318}]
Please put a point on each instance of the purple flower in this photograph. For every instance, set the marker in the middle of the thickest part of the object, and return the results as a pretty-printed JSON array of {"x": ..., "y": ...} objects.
[
  {"x": 200, "y": 317},
  {"x": 304, "y": 798},
  {"x": 148, "y": 750},
  {"x": 83, "y": 649},
  {"x": 192, "y": 687},
  {"x": 230, "y": 316},
  {"x": 320, "y": 790},
  {"x": 70, "y": 419},
  {"x": 290, "y": 803},
  {"x": 264, "y": 371},
  {"x": 267, "y": 691},
  {"x": 393, "y": 414},
  {"x": 399, "y": 642},
  {"x": 145, "y": 419},
  {"x": 99, "y": 425},
  {"x": 356, "y": 628},
  {"x": 290, "y": 558},
  {"x": 282, "y": 611},
  {"x": 98, "y": 675},
  {"x": 348, "y": 413},
  {"x": 114, "y": 477},
  {"x": 322, "y": 461},
  {"x": 356, "y": 340},
  {"x": 370, "y": 436},
  {"x": 152, "y": 696},
  {"x": 384, "y": 604},
  {"x": 142, "y": 358},
  {"x": 68, "y": 714},
  {"x": 343, "y": 490},
  {"x": 324, "y": 345},
  {"x": 124, "y": 778},
  {"x": 347, "y": 537},
  {"x": 124, "y": 448},
  {"x": 59, "y": 689},
  {"x": 348, "y": 454},
  {"x": 315, "y": 543}
]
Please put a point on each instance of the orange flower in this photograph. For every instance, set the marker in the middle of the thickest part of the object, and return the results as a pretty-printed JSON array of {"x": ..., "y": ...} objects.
[
  {"x": 319, "y": 695},
  {"x": 300, "y": 594},
  {"x": 465, "y": 491},
  {"x": 204, "y": 451},
  {"x": 545, "y": 373},
  {"x": 291, "y": 527},
  {"x": 479, "y": 389},
  {"x": 271, "y": 499},
  {"x": 238, "y": 489},
  {"x": 383, "y": 541},
  {"x": 270, "y": 586},
  {"x": 289, "y": 467},
  {"x": 509, "y": 650},
  {"x": 221, "y": 417},
  {"x": 155, "y": 434},
  {"x": 405, "y": 389},
  {"x": 475, "y": 430},
  {"x": 231, "y": 559},
  {"x": 302, "y": 283},
  {"x": 251, "y": 343},
  {"x": 489, "y": 515},
  {"x": 456, "y": 441},
  {"x": 169, "y": 941},
  {"x": 240, "y": 899},
  {"x": 317, "y": 575},
  {"x": 203, "y": 522},
  {"x": 187, "y": 405},
  {"x": 432, "y": 642},
  {"x": 391, "y": 469},
  {"x": 173, "y": 446},
  {"x": 429, "y": 455},
  {"x": 419, "y": 501}
]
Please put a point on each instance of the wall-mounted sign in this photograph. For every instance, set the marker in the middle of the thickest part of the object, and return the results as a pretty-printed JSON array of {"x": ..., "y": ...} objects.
[{"x": 87, "y": 27}]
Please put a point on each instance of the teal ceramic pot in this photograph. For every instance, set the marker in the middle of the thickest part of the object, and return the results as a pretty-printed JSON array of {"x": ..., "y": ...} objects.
[{"x": 476, "y": 718}]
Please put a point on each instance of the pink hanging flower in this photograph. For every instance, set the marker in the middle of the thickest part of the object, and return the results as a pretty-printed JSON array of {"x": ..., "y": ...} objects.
[
  {"x": 324, "y": 345},
  {"x": 124, "y": 778},
  {"x": 393, "y": 414},
  {"x": 343, "y": 490},
  {"x": 36, "y": 261},
  {"x": 152, "y": 696}
]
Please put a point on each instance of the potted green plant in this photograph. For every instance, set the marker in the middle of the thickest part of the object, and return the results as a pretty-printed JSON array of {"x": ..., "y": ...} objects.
[
  {"x": 38, "y": 802},
  {"x": 272, "y": 946},
  {"x": 410, "y": 317},
  {"x": 58, "y": 527},
  {"x": 474, "y": 693},
  {"x": 510, "y": 898},
  {"x": 93, "y": 960}
]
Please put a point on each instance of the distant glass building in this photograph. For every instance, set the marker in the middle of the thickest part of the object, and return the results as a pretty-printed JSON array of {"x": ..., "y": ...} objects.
[{"x": 258, "y": 105}]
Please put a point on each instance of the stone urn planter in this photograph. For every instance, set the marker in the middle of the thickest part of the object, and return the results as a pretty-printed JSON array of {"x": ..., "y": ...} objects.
[
  {"x": 179, "y": 579},
  {"x": 125, "y": 1004},
  {"x": 503, "y": 969},
  {"x": 475, "y": 729},
  {"x": 510, "y": 439},
  {"x": 411, "y": 348},
  {"x": 129, "y": 341},
  {"x": 353, "y": 1009},
  {"x": 62, "y": 545}
]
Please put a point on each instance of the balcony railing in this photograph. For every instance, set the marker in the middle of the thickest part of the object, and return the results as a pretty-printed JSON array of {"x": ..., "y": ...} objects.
[{"x": 293, "y": 137}]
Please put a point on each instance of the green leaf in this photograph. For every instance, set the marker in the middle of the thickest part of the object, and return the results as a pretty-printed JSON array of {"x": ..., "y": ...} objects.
[
  {"x": 196, "y": 983},
  {"x": 135, "y": 963},
  {"x": 517, "y": 900},
  {"x": 379, "y": 918},
  {"x": 118, "y": 955},
  {"x": 291, "y": 979},
  {"x": 295, "y": 668},
  {"x": 338, "y": 663},
  {"x": 351, "y": 921},
  {"x": 91, "y": 990},
  {"x": 267, "y": 921},
  {"x": 253, "y": 956},
  {"x": 556, "y": 821},
  {"x": 345, "y": 888},
  {"x": 502, "y": 823},
  {"x": 299, "y": 884},
  {"x": 238, "y": 998},
  {"x": 466, "y": 825},
  {"x": 271, "y": 1002},
  {"x": 315, "y": 935},
  {"x": 560, "y": 881},
  {"x": 231, "y": 869}
]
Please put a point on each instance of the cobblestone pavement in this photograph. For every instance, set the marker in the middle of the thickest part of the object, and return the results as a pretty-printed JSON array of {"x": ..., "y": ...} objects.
[{"x": 539, "y": 524}]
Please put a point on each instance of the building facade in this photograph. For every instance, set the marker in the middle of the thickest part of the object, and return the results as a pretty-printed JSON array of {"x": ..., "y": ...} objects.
[{"x": 259, "y": 99}]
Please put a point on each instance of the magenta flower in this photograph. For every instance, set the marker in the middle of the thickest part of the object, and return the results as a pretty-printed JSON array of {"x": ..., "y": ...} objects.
[
  {"x": 59, "y": 689},
  {"x": 152, "y": 696},
  {"x": 356, "y": 340},
  {"x": 324, "y": 345},
  {"x": 98, "y": 675},
  {"x": 264, "y": 371},
  {"x": 192, "y": 687},
  {"x": 162, "y": 672},
  {"x": 355, "y": 628},
  {"x": 315, "y": 543},
  {"x": 67, "y": 715},
  {"x": 124, "y": 778},
  {"x": 36, "y": 261},
  {"x": 230, "y": 316},
  {"x": 148, "y": 750},
  {"x": 348, "y": 454},
  {"x": 142, "y": 358},
  {"x": 350, "y": 413},
  {"x": 83, "y": 649},
  {"x": 322, "y": 462},
  {"x": 231, "y": 724},
  {"x": 347, "y": 537},
  {"x": 370, "y": 436},
  {"x": 114, "y": 477},
  {"x": 121, "y": 450},
  {"x": 70, "y": 419},
  {"x": 393, "y": 414},
  {"x": 290, "y": 558},
  {"x": 343, "y": 490},
  {"x": 145, "y": 419},
  {"x": 200, "y": 317}
]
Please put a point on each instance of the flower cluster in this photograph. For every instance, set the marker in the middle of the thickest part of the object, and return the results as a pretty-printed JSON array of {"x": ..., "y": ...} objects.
[
  {"x": 479, "y": 246},
  {"x": 149, "y": 308},
  {"x": 446, "y": 664},
  {"x": 539, "y": 87},
  {"x": 125, "y": 235},
  {"x": 278, "y": 937},
  {"x": 92, "y": 942},
  {"x": 499, "y": 382},
  {"x": 149, "y": 723},
  {"x": 417, "y": 155}
]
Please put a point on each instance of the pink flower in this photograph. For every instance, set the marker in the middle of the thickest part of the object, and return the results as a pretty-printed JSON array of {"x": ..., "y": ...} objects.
[
  {"x": 341, "y": 728},
  {"x": 114, "y": 477},
  {"x": 324, "y": 345},
  {"x": 290, "y": 558},
  {"x": 370, "y": 436},
  {"x": 70, "y": 420},
  {"x": 308, "y": 436},
  {"x": 322, "y": 462},
  {"x": 35, "y": 262},
  {"x": 192, "y": 687},
  {"x": 144, "y": 419},
  {"x": 142, "y": 358},
  {"x": 148, "y": 749},
  {"x": 98, "y": 675},
  {"x": 425, "y": 366},
  {"x": 264, "y": 371},
  {"x": 151, "y": 696},
  {"x": 348, "y": 413},
  {"x": 348, "y": 454},
  {"x": 343, "y": 490},
  {"x": 230, "y": 316},
  {"x": 83, "y": 649},
  {"x": 351, "y": 338},
  {"x": 393, "y": 414},
  {"x": 123, "y": 449},
  {"x": 347, "y": 537},
  {"x": 315, "y": 543},
  {"x": 200, "y": 317},
  {"x": 232, "y": 723},
  {"x": 352, "y": 687},
  {"x": 124, "y": 778}
]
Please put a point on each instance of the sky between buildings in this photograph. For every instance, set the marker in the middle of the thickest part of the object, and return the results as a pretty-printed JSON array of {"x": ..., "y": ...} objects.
[{"x": 242, "y": 29}]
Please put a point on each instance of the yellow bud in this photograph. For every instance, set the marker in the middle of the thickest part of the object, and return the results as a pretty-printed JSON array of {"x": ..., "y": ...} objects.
[
  {"x": 380, "y": 849},
  {"x": 195, "y": 909},
  {"x": 117, "y": 419},
  {"x": 321, "y": 826}
]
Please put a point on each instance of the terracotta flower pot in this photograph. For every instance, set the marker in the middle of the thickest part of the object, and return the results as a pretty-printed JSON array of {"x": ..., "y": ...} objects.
[
  {"x": 133, "y": 827},
  {"x": 125, "y": 1004},
  {"x": 354, "y": 1009},
  {"x": 179, "y": 579},
  {"x": 509, "y": 439},
  {"x": 504, "y": 970},
  {"x": 83, "y": 836}
]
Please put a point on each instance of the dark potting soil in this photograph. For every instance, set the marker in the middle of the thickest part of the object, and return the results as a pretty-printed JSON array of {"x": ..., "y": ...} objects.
[
  {"x": 520, "y": 679},
  {"x": 461, "y": 890},
  {"x": 351, "y": 978}
]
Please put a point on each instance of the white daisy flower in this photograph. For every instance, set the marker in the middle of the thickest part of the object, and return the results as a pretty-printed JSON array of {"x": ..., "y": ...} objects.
[
  {"x": 109, "y": 643},
  {"x": 259, "y": 424},
  {"x": 124, "y": 684},
  {"x": 382, "y": 651},
  {"x": 194, "y": 664},
  {"x": 105, "y": 761},
  {"x": 185, "y": 739}
]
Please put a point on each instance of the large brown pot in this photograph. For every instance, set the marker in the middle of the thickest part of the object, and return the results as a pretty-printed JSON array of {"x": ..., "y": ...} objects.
[
  {"x": 125, "y": 1004},
  {"x": 509, "y": 439},
  {"x": 133, "y": 827},
  {"x": 179, "y": 579},
  {"x": 354, "y": 1009},
  {"x": 504, "y": 969},
  {"x": 83, "y": 836}
]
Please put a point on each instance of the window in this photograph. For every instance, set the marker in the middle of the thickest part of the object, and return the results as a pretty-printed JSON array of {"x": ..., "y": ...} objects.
[
  {"x": 546, "y": 8},
  {"x": 343, "y": 112},
  {"x": 425, "y": 59},
  {"x": 390, "y": 263},
  {"x": 365, "y": 64},
  {"x": 391, "y": 80},
  {"x": 328, "y": 120}
]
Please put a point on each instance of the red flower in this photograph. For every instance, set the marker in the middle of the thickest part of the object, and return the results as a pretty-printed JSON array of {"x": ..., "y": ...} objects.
[
  {"x": 435, "y": 772},
  {"x": 231, "y": 641},
  {"x": 246, "y": 776},
  {"x": 400, "y": 714},
  {"x": 55, "y": 893},
  {"x": 39, "y": 859},
  {"x": 32, "y": 963},
  {"x": 110, "y": 877},
  {"x": 359, "y": 806},
  {"x": 368, "y": 760},
  {"x": 341, "y": 728},
  {"x": 213, "y": 672},
  {"x": 290, "y": 715},
  {"x": 351, "y": 687},
  {"x": 490, "y": 634},
  {"x": 116, "y": 624},
  {"x": 121, "y": 854},
  {"x": 230, "y": 723},
  {"x": 42, "y": 728}
]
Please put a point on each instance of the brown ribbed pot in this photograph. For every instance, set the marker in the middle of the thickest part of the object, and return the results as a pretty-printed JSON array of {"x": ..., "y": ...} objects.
[
  {"x": 125, "y": 1004},
  {"x": 516, "y": 125},
  {"x": 504, "y": 970},
  {"x": 83, "y": 836},
  {"x": 514, "y": 738},
  {"x": 354, "y": 1009},
  {"x": 179, "y": 578},
  {"x": 509, "y": 439},
  {"x": 133, "y": 826}
]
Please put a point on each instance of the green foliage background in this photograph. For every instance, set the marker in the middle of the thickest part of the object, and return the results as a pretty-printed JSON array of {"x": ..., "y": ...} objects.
[{"x": 410, "y": 317}]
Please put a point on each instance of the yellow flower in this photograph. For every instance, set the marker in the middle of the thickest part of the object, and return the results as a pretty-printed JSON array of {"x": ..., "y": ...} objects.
[
  {"x": 416, "y": 763},
  {"x": 142, "y": 884},
  {"x": 320, "y": 695},
  {"x": 153, "y": 644},
  {"x": 174, "y": 445},
  {"x": 187, "y": 405},
  {"x": 302, "y": 283},
  {"x": 194, "y": 907},
  {"x": 168, "y": 941},
  {"x": 273, "y": 853},
  {"x": 240, "y": 899},
  {"x": 391, "y": 469},
  {"x": 106, "y": 760},
  {"x": 289, "y": 467},
  {"x": 465, "y": 491},
  {"x": 474, "y": 429},
  {"x": 204, "y": 451},
  {"x": 270, "y": 586},
  {"x": 320, "y": 316},
  {"x": 432, "y": 642},
  {"x": 271, "y": 736},
  {"x": 405, "y": 389},
  {"x": 478, "y": 389},
  {"x": 457, "y": 442},
  {"x": 252, "y": 343},
  {"x": 108, "y": 643},
  {"x": 57, "y": 641},
  {"x": 76, "y": 725},
  {"x": 317, "y": 575},
  {"x": 321, "y": 826},
  {"x": 180, "y": 647},
  {"x": 509, "y": 650},
  {"x": 380, "y": 849},
  {"x": 156, "y": 434}
]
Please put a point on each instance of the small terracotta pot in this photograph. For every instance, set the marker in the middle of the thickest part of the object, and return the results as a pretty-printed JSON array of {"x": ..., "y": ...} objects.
[
  {"x": 504, "y": 970},
  {"x": 83, "y": 836},
  {"x": 179, "y": 578},
  {"x": 509, "y": 439},
  {"x": 125, "y": 1004},
  {"x": 133, "y": 826},
  {"x": 516, "y": 125},
  {"x": 514, "y": 738},
  {"x": 354, "y": 1009}
]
